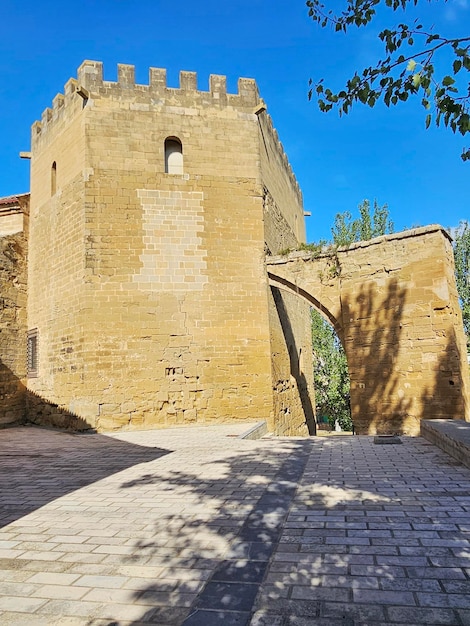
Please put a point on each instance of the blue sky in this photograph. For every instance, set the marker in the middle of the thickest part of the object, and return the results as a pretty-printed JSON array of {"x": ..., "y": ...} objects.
[{"x": 382, "y": 154}]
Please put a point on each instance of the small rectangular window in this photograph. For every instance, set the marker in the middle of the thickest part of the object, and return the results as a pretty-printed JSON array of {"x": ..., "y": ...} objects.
[{"x": 33, "y": 353}]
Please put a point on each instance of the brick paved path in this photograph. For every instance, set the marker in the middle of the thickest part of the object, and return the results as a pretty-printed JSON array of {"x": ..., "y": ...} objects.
[{"x": 196, "y": 527}]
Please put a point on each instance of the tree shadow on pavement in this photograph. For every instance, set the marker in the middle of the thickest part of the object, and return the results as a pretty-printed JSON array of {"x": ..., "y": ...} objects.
[
  {"x": 251, "y": 526},
  {"x": 231, "y": 525},
  {"x": 40, "y": 465},
  {"x": 230, "y": 531}
]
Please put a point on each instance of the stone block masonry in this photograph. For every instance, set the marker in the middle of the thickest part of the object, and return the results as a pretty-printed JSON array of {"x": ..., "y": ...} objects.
[
  {"x": 14, "y": 214},
  {"x": 394, "y": 303},
  {"x": 147, "y": 287},
  {"x": 148, "y": 301}
]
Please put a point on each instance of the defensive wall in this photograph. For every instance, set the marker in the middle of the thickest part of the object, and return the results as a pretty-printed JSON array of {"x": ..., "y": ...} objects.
[
  {"x": 393, "y": 302},
  {"x": 14, "y": 212},
  {"x": 136, "y": 291},
  {"x": 147, "y": 291}
]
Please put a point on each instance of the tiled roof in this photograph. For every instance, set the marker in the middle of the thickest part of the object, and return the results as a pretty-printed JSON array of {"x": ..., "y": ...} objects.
[{"x": 12, "y": 199}]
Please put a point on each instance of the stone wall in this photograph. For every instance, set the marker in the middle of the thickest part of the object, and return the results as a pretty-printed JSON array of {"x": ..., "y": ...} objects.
[
  {"x": 13, "y": 276},
  {"x": 148, "y": 289},
  {"x": 289, "y": 317},
  {"x": 394, "y": 303}
]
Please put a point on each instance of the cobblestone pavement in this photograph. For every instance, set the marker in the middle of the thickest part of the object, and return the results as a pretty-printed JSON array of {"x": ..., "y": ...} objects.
[{"x": 196, "y": 527}]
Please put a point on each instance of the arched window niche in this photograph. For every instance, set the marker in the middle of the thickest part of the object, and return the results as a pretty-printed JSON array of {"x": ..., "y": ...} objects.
[
  {"x": 173, "y": 156},
  {"x": 53, "y": 178}
]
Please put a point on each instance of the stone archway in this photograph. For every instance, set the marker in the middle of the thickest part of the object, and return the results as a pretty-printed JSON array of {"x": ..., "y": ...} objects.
[{"x": 394, "y": 304}]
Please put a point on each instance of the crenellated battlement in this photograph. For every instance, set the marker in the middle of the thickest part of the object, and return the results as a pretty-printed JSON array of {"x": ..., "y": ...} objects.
[
  {"x": 90, "y": 76},
  {"x": 151, "y": 209},
  {"x": 90, "y": 85},
  {"x": 278, "y": 148},
  {"x": 60, "y": 104}
]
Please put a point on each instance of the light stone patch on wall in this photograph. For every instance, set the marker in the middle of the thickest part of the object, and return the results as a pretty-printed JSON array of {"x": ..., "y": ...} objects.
[
  {"x": 11, "y": 224},
  {"x": 173, "y": 257}
]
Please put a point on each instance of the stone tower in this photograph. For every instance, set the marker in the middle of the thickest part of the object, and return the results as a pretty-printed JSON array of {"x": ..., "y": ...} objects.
[{"x": 152, "y": 209}]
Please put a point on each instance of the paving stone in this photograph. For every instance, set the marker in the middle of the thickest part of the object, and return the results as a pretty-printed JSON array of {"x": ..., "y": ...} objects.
[
  {"x": 294, "y": 620},
  {"x": 264, "y": 618},
  {"x": 383, "y": 597},
  {"x": 442, "y": 573},
  {"x": 227, "y": 596},
  {"x": 421, "y": 615},
  {"x": 456, "y": 586},
  {"x": 410, "y": 584},
  {"x": 360, "y": 613},
  {"x": 280, "y": 606},
  {"x": 216, "y": 618},
  {"x": 10, "y": 618},
  {"x": 334, "y": 594},
  {"x": 65, "y": 607},
  {"x": 20, "y": 604},
  {"x": 53, "y": 578},
  {"x": 170, "y": 616},
  {"x": 451, "y": 600},
  {"x": 59, "y": 592},
  {"x": 356, "y": 582},
  {"x": 390, "y": 571},
  {"x": 105, "y": 582},
  {"x": 366, "y": 533},
  {"x": 403, "y": 561}
]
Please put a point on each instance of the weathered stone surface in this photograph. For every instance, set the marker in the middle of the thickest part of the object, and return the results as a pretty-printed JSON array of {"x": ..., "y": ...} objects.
[
  {"x": 148, "y": 289},
  {"x": 394, "y": 303},
  {"x": 13, "y": 278}
]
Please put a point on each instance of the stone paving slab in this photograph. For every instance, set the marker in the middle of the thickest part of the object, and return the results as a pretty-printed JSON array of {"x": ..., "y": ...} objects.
[
  {"x": 197, "y": 527},
  {"x": 453, "y": 436}
]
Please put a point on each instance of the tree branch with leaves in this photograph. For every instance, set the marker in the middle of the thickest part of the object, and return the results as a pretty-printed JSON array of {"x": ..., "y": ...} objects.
[
  {"x": 408, "y": 68},
  {"x": 462, "y": 271}
]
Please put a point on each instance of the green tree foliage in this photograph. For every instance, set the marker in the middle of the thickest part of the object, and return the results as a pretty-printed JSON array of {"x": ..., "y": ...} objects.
[
  {"x": 462, "y": 271},
  {"x": 330, "y": 364},
  {"x": 368, "y": 225},
  {"x": 330, "y": 373},
  {"x": 407, "y": 69}
]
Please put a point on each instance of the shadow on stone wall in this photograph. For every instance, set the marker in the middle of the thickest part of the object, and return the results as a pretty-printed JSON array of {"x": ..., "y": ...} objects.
[
  {"x": 399, "y": 373},
  {"x": 447, "y": 397},
  {"x": 12, "y": 398},
  {"x": 13, "y": 332},
  {"x": 373, "y": 338},
  {"x": 19, "y": 405},
  {"x": 295, "y": 370}
]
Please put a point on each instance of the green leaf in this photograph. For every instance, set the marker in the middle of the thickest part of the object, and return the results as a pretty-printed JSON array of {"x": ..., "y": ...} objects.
[
  {"x": 416, "y": 79},
  {"x": 457, "y": 65},
  {"x": 411, "y": 65},
  {"x": 428, "y": 120},
  {"x": 447, "y": 81},
  {"x": 362, "y": 95}
]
